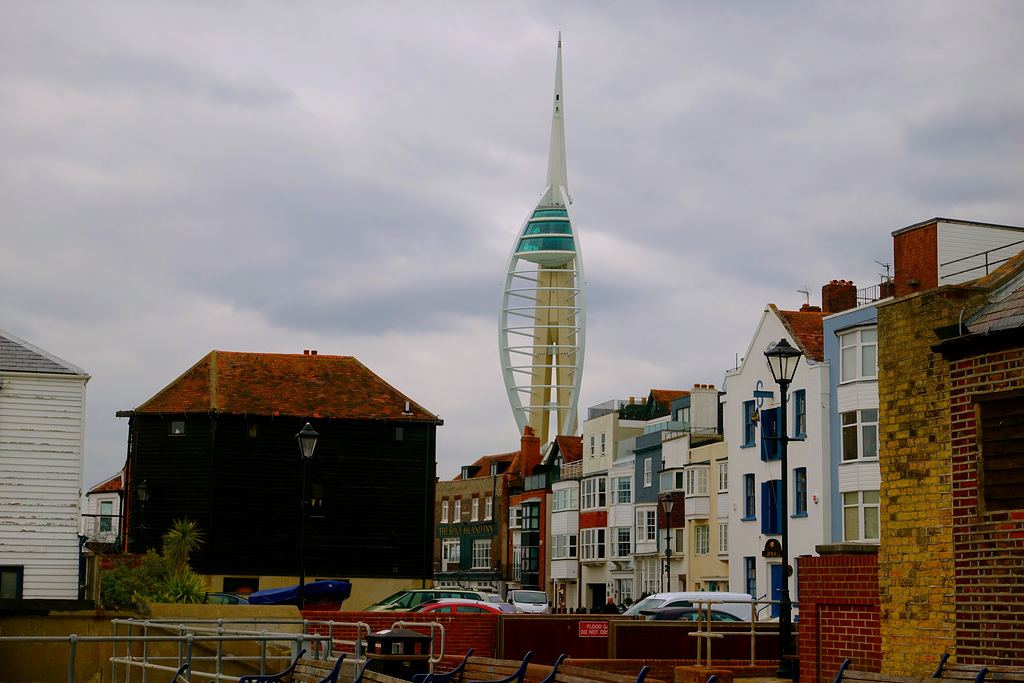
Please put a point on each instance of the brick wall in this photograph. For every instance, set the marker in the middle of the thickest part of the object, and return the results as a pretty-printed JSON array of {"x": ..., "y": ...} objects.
[
  {"x": 916, "y": 258},
  {"x": 915, "y": 558},
  {"x": 839, "y": 611},
  {"x": 989, "y": 546}
]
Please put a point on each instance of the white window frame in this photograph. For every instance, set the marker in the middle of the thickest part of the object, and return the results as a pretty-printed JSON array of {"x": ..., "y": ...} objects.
[
  {"x": 515, "y": 517},
  {"x": 697, "y": 482},
  {"x": 723, "y": 537},
  {"x": 622, "y": 541},
  {"x": 474, "y": 510},
  {"x": 565, "y": 499},
  {"x": 723, "y": 476},
  {"x": 565, "y": 547},
  {"x": 489, "y": 508},
  {"x": 592, "y": 439},
  {"x": 619, "y": 490},
  {"x": 858, "y": 354},
  {"x": 457, "y": 512},
  {"x": 451, "y": 551},
  {"x": 646, "y": 525},
  {"x": 701, "y": 539},
  {"x": 861, "y": 423},
  {"x": 444, "y": 511},
  {"x": 592, "y": 542},
  {"x": 855, "y": 502},
  {"x": 594, "y": 496},
  {"x": 481, "y": 553},
  {"x": 603, "y": 435},
  {"x": 648, "y": 470}
]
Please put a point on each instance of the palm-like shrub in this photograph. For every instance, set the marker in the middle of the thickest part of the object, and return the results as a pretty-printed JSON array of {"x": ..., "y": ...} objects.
[
  {"x": 157, "y": 577},
  {"x": 180, "y": 541}
]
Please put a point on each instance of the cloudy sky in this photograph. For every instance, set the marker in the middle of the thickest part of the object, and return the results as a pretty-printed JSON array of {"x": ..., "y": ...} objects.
[{"x": 177, "y": 177}]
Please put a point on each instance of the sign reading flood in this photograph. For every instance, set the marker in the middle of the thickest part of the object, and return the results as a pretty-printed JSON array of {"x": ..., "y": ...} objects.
[{"x": 593, "y": 629}]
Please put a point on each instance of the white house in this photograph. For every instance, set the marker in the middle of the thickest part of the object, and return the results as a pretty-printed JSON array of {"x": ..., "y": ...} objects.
[
  {"x": 101, "y": 511},
  {"x": 42, "y": 439},
  {"x": 750, "y": 412}
]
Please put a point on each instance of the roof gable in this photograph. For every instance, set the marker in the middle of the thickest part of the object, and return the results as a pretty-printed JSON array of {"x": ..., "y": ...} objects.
[
  {"x": 807, "y": 329},
  {"x": 303, "y": 385},
  {"x": 17, "y": 355}
]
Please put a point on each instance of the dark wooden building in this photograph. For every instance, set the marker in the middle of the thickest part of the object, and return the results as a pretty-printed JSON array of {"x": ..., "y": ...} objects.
[{"x": 218, "y": 446}]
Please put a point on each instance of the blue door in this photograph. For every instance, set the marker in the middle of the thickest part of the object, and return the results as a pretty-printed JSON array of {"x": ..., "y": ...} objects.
[{"x": 776, "y": 587}]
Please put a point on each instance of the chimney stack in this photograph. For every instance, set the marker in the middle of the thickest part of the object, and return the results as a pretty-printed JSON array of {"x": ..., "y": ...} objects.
[
  {"x": 529, "y": 451},
  {"x": 838, "y": 295}
]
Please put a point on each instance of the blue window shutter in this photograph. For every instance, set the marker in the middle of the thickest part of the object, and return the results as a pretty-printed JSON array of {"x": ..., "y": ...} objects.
[
  {"x": 765, "y": 507},
  {"x": 769, "y": 428}
]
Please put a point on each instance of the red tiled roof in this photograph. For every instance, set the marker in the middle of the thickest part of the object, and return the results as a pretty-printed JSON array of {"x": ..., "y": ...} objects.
[
  {"x": 111, "y": 485},
  {"x": 571, "y": 448},
  {"x": 666, "y": 396},
  {"x": 806, "y": 329},
  {"x": 284, "y": 384},
  {"x": 483, "y": 465}
]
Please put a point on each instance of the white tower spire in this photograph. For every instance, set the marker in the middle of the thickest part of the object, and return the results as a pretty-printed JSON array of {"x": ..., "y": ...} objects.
[{"x": 542, "y": 331}]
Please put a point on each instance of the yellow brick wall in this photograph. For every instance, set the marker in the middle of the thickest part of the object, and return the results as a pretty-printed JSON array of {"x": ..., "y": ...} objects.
[{"x": 915, "y": 559}]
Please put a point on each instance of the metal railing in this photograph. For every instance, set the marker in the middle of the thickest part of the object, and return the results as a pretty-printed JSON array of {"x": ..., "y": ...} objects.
[
  {"x": 756, "y": 607},
  {"x": 210, "y": 634},
  {"x": 987, "y": 265}
]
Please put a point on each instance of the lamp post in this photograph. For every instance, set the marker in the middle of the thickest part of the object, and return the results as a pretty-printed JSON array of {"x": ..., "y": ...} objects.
[
  {"x": 142, "y": 491},
  {"x": 782, "y": 360},
  {"x": 306, "y": 437},
  {"x": 666, "y": 502}
]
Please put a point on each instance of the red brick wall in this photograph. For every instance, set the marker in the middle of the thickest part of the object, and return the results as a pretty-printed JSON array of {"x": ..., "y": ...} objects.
[
  {"x": 989, "y": 547},
  {"x": 462, "y": 631},
  {"x": 916, "y": 257},
  {"x": 593, "y": 520},
  {"x": 839, "y": 615}
]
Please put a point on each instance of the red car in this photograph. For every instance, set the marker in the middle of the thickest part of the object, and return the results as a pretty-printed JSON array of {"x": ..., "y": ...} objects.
[{"x": 463, "y": 606}]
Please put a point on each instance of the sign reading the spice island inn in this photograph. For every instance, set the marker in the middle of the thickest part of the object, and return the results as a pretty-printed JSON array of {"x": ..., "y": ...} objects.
[{"x": 466, "y": 530}]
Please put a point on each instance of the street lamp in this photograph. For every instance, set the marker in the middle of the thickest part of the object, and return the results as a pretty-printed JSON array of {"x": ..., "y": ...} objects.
[
  {"x": 782, "y": 360},
  {"x": 307, "y": 442},
  {"x": 667, "y": 502},
  {"x": 142, "y": 491}
]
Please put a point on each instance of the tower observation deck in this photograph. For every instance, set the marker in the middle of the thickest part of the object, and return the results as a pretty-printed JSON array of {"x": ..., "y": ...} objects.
[{"x": 542, "y": 330}]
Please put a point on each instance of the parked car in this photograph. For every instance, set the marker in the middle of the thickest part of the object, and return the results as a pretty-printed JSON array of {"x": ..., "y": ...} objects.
[
  {"x": 226, "y": 599},
  {"x": 463, "y": 606},
  {"x": 408, "y": 600},
  {"x": 734, "y": 603},
  {"x": 686, "y": 614},
  {"x": 529, "y": 601}
]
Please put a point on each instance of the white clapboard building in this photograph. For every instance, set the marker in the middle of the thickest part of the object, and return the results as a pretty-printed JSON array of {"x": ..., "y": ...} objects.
[{"x": 42, "y": 445}]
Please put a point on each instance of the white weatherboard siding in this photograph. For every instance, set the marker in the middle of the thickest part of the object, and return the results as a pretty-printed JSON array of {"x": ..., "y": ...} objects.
[
  {"x": 958, "y": 241},
  {"x": 41, "y": 454}
]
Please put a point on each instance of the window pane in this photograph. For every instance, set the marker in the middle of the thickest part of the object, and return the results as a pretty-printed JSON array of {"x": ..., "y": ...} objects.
[
  {"x": 870, "y": 497},
  {"x": 869, "y": 437},
  {"x": 868, "y": 363},
  {"x": 870, "y": 523},
  {"x": 850, "y": 443},
  {"x": 849, "y": 363},
  {"x": 868, "y": 336},
  {"x": 851, "y": 523}
]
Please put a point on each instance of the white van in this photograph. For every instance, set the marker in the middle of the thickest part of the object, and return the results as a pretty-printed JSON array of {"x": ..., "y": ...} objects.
[
  {"x": 738, "y": 604},
  {"x": 528, "y": 601}
]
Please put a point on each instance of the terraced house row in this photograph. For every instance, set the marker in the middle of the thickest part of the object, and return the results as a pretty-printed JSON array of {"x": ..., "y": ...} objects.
[{"x": 582, "y": 518}]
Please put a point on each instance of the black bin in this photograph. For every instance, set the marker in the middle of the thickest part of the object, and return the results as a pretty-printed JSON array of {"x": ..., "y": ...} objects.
[{"x": 399, "y": 652}]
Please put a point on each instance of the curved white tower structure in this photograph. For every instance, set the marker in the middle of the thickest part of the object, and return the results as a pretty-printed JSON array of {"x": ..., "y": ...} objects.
[{"x": 542, "y": 331}]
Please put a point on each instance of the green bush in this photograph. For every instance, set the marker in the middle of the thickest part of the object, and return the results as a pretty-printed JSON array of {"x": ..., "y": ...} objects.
[
  {"x": 156, "y": 577},
  {"x": 133, "y": 580}
]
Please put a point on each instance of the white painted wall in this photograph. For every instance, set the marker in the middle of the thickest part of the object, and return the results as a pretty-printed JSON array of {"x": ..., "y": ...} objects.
[
  {"x": 42, "y": 433},
  {"x": 745, "y": 537}
]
